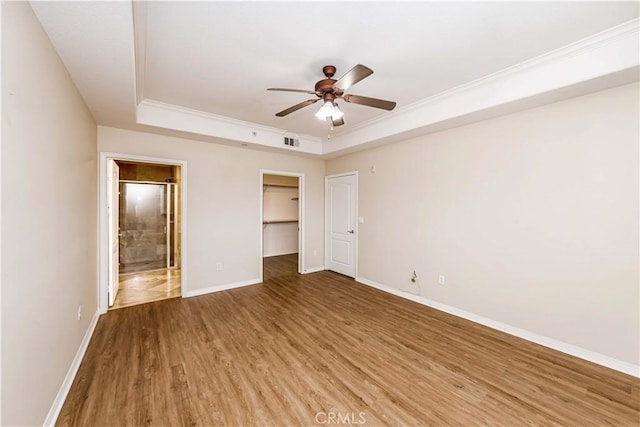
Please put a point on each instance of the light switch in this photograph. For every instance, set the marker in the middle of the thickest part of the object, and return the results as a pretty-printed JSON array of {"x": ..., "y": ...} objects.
[{"x": 360, "y": 220}]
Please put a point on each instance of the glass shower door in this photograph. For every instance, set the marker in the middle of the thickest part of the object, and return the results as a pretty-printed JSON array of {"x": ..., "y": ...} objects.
[{"x": 143, "y": 226}]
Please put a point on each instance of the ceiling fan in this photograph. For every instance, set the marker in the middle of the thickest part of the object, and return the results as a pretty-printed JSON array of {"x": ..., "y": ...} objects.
[{"x": 329, "y": 90}]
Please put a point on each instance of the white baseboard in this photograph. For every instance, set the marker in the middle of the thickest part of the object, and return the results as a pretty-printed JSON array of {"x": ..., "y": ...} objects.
[
  {"x": 554, "y": 344},
  {"x": 56, "y": 407},
  {"x": 313, "y": 270},
  {"x": 219, "y": 288}
]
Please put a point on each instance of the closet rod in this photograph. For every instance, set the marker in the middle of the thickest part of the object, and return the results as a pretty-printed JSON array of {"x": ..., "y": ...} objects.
[{"x": 280, "y": 185}]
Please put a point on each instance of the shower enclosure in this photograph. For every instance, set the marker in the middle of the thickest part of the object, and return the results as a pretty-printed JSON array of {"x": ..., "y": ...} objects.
[{"x": 148, "y": 228}]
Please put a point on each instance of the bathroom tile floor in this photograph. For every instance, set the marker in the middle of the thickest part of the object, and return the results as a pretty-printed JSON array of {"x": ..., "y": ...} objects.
[
  {"x": 142, "y": 266},
  {"x": 147, "y": 286}
]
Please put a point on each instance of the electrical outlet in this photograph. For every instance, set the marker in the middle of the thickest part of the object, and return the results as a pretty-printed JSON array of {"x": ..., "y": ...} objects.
[
  {"x": 80, "y": 312},
  {"x": 441, "y": 280},
  {"x": 219, "y": 266}
]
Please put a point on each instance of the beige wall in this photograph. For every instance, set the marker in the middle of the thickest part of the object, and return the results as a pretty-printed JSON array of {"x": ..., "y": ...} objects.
[
  {"x": 531, "y": 217},
  {"x": 224, "y": 216},
  {"x": 48, "y": 218}
]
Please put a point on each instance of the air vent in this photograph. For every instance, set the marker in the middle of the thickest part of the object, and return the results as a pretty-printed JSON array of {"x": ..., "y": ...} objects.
[{"x": 291, "y": 142}]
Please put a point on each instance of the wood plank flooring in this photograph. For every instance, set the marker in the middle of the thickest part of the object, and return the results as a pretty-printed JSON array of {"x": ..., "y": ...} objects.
[
  {"x": 301, "y": 350},
  {"x": 147, "y": 286},
  {"x": 279, "y": 266}
]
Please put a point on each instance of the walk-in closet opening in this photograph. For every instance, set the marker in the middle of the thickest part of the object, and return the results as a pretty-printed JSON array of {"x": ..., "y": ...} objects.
[{"x": 281, "y": 225}]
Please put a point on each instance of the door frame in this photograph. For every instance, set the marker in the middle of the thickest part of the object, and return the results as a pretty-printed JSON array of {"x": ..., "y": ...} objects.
[
  {"x": 355, "y": 220},
  {"x": 113, "y": 187},
  {"x": 301, "y": 217},
  {"x": 104, "y": 251}
]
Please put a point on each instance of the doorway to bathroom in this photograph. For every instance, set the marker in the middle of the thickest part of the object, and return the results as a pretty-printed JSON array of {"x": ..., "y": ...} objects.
[{"x": 145, "y": 218}]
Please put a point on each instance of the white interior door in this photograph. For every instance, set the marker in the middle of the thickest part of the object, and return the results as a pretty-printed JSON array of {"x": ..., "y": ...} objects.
[
  {"x": 340, "y": 199},
  {"x": 113, "y": 201}
]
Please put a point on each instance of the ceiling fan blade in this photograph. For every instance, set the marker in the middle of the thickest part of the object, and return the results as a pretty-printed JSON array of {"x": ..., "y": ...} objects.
[
  {"x": 296, "y": 107},
  {"x": 292, "y": 90},
  {"x": 370, "y": 102},
  {"x": 338, "y": 122},
  {"x": 353, "y": 76}
]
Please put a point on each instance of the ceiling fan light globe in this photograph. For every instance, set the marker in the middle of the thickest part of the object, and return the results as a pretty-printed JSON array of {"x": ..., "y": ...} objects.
[
  {"x": 326, "y": 111},
  {"x": 321, "y": 116},
  {"x": 337, "y": 113}
]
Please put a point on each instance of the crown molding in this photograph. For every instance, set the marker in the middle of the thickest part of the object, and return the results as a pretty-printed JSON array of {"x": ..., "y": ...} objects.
[
  {"x": 139, "y": 10},
  {"x": 605, "y": 53},
  {"x": 175, "y": 117},
  {"x": 615, "y": 34}
]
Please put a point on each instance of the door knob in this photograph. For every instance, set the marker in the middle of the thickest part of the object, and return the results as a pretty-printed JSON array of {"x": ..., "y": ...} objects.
[{"x": 350, "y": 231}]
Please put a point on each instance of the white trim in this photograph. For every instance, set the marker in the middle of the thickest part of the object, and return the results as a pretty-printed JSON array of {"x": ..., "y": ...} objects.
[
  {"x": 301, "y": 216},
  {"x": 219, "y": 288},
  {"x": 337, "y": 175},
  {"x": 56, "y": 407},
  {"x": 594, "y": 57},
  {"x": 216, "y": 117},
  {"x": 169, "y": 116},
  {"x": 103, "y": 235},
  {"x": 139, "y": 15},
  {"x": 326, "y": 219},
  {"x": 572, "y": 67},
  {"x": 579, "y": 352},
  {"x": 1, "y": 133},
  {"x": 314, "y": 270},
  {"x": 583, "y": 46}
]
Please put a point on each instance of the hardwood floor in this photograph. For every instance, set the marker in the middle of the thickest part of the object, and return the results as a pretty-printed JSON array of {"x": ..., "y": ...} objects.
[
  {"x": 310, "y": 349},
  {"x": 147, "y": 286},
  {"x": 279, "y": 266}
]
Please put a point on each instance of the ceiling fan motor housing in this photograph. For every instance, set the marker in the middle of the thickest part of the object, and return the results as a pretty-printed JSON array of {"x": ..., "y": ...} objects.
[{"x": 326, "y": 86}]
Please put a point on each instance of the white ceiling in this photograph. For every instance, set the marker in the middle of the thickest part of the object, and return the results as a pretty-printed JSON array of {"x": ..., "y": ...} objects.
[{"x": 219, "y": 57}]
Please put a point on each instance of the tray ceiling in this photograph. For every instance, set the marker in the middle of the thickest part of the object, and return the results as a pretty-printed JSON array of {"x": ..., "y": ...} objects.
[{"x": 219, "y": 57}]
